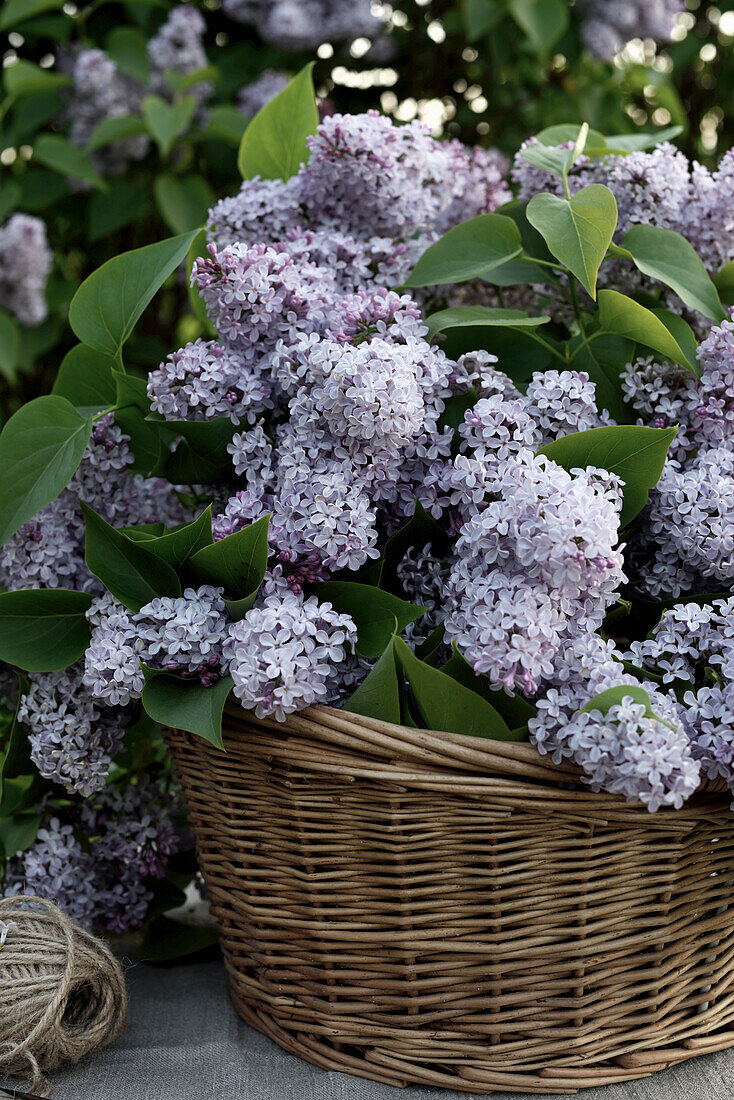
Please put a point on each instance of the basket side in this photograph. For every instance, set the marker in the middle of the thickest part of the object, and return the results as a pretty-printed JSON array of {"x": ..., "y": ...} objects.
[{"x": 398, "y": 913}]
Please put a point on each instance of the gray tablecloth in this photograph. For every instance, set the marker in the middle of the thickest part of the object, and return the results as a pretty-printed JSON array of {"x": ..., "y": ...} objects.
[{"x": 186, "y": 1043}]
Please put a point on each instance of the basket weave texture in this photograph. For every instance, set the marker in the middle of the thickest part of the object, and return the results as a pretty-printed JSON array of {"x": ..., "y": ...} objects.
[{"x": 419, "y": 907}]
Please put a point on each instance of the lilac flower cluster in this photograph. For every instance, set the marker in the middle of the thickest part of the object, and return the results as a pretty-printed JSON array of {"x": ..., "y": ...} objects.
[
  {"x": 538, "y": 566},
  {"x": 371, "y": 198},
  {"x": 288, "y": 653},
  {"x": 305, "y": 24},
  {"x": 101, "y": 90},
  {"x": 692, "y": 648},
  {"x": 104, "y": 883},
  {"x": 608, "y": 26},
  {"x": 687, "y": 538},
  {"x": 182, "y": 635},
  {"x": 643, "y": 754},
  {"x": 25, "y": 264}
]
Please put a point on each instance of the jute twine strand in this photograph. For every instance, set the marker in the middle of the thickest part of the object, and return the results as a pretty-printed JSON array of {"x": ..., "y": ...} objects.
[{"x": 62, "y": 992}]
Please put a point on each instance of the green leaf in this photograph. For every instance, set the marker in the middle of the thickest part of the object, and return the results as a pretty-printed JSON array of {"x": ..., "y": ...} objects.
[
  {"x": 681, "y": 332},
  {"x": 376, "y": 614},
  {"x": 634, "y": 143},
  {"x": 274, "y": 144},
  {"x": 480, "y": 16},
  {"x": 40, "y": 448},
  {"x": 469, "y": 316},
  {"x": 123, "y": 203},
  {"x": 132, "y": 413},
  {"x": 15, "y": 758},
  {"x": 11, "y": 194},
  {"x": 612, "y": 697},
  {"x": 127, "y": 46},
  {"x": 202, "y": 458},
  {"x": 85, "y": 379},
  {"x": 544, "y": 21},
  {"x": 57, "y": 153},
  {"x": 548, "y": 159},
  {"x": 724, "y": 283},
  {"x": 176, "y": 547},
  {"x": 196, "y": 251},
  {"x": 225, "y": 123},
  {"x": 182, "y": 201},
  {"x": 117, "y": 128},
  {"x": 18, "y": 11},
  {"x": 569, "y": 131},
  {"x": 43, "y": 629},
  {"x": 667, "y": 256},
  {"x": 468, "y": 251},
  {"x": 604, "y": 358},
  {"x": 18, "y": 833},
  {"x": 378, "y": 696},
  {"x": 620, "y": 314},
  {"x": 132, "y": 574},
  {"x": 26, "y": 78},
  {"x": 579, "y": 230},
  {"x": 9, "y": 345},
  {"x": 515, "y": 710},
  {"x": 187, "y": 705},
  {"x": 447, "y": 705},
  {"x": 108, "y": 305},
  {"x": 238, "y": 562},
  {"x": 166, "y": 122},
  {"x": 635, "y": 453}
]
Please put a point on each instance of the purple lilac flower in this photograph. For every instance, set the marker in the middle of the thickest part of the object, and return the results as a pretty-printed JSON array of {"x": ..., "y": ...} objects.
[
  {"x": 25, "y": 264},
  {"x": 72, "y": 737},
  {"x": 287, "y": 652},
  {"x": 536, "y": 568},
  {"x": 204, "y": 380}
]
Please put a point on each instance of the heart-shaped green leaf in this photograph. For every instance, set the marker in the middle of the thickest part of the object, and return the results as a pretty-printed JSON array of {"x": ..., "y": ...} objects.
[
  {"x": 166, "y": 121},
  {"x": 184, "y": 704},
  {"x": 237, "y": 563},
  {"x": 445, "y": 704},
  {"x": 85, "y": 379},
  {"x": 620, "y": 314},
  {"x": 579, "y": 230}
]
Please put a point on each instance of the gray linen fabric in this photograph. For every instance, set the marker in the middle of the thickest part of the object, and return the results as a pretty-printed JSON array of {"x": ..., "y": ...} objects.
[{"x": 187, "y": 1043}]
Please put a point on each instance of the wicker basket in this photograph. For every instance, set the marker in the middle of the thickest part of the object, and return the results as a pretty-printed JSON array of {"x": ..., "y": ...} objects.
[{"x": 415, "y": 907}]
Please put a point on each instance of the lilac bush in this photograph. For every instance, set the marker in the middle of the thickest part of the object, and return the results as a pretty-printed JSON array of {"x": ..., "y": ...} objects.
[{"x": 359, "y": 454}]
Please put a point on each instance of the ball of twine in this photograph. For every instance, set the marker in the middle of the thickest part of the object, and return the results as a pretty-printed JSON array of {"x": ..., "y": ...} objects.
[{"x": 62, "y": 992}]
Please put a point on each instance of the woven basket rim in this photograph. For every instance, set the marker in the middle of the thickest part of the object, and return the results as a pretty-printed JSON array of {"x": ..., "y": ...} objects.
[{"x": 436, "y": 754}]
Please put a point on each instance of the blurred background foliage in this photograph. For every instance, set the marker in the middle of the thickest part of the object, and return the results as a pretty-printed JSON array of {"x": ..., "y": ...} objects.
[{"x": 487, "y": 71}]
